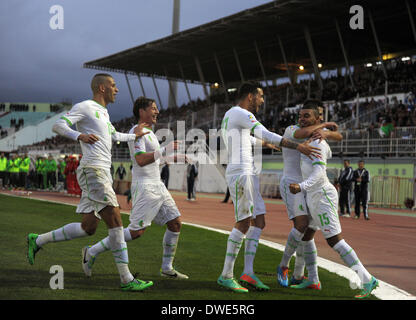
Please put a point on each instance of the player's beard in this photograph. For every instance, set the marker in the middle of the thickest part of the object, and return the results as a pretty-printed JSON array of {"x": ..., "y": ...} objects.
[
  {"x": 255, "y": 109},
  {"x": 111, "y": 96}
]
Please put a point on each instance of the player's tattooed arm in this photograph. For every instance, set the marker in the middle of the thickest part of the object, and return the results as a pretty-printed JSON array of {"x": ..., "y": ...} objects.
[
  {"x": 304, "y": 147},
  {"x": 286, "y": 143}
]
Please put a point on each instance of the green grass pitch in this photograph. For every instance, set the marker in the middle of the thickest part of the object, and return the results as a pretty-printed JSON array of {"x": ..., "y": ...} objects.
[{"x": 200, "y": 254}]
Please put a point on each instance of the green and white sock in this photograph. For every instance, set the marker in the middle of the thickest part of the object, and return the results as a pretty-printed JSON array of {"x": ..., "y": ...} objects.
[
  {"x": 67, "y": 232},
  {"x": 234, "y": 243},
  {"x": 170, "y": 242},
  {"x": 350, "y": 258},
  {"x": 119, "y": 250},
  {"x": 104, "y": 244},
  {"x": 292, "y": 243},
  {"x": 299, "y": 269},
  {"x": 310, "y": 255},
  {"x": 251, "y": 243}
]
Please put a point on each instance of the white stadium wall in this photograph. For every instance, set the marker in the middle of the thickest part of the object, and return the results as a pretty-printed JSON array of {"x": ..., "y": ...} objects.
[{"x": 209, "y": 179}]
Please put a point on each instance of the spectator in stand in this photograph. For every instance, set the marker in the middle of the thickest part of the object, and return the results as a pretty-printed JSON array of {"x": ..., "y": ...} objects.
[{"x": 386, "y": 128}]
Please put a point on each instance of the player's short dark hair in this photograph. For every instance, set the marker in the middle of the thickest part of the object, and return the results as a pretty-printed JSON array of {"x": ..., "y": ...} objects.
[
  {"x": 312, "y": 104},
  {"x": 141, "y": 103},
  {"x": 98, "y": 79},
  {"x": 248, "y": 87},
  {"x": 348, "y": 160},
  {"x": 361, "y": 161},
  {"x": 102, "y": 75}
]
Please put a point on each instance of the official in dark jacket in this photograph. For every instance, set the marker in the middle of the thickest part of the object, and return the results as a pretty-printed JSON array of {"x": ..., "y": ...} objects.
[
  {"x": 361, "y": 179},
  {"x": 164, "y": 175},
  {"x": 345, "y": 181},
  {"x": 191, "y": 174}
]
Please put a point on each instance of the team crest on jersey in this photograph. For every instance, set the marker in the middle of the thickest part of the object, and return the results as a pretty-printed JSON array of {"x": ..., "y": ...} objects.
[{"x": 251, "y": 118}]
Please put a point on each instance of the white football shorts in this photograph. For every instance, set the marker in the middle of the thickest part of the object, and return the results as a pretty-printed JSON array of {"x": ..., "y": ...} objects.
[
  {"x": 151, "y": 202},
  {"x": 242, "y": 192},
  {"x": 97, "y": 190},
  {"x": 295, "y": 203},
  {"x": 323, "y": 207}
]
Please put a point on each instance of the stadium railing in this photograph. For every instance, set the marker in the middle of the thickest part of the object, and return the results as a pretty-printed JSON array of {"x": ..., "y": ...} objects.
[
  {"x": 401, "y": 143},
  {"x": 366, "y": 147},
  {"x": 390, "y": 191}
]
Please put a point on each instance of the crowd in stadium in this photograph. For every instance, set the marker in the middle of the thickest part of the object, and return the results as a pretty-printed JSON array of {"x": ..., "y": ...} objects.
[
  {"x": 19, "y": 107},
  {"x": 384, "y": 115},
  {"x": 53, "y": 143},
  {"x": 367, "y": 82}
]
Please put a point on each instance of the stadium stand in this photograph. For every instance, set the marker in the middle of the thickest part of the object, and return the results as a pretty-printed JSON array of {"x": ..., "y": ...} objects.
[
  {"x": 375, "y": 112},
  {"x": 19, "y": 119}
]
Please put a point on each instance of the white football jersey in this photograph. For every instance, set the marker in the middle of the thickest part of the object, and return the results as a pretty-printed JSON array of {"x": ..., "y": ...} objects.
[
  {"x": 148, "y": 143},
  {"x": 237, "y": 125},
  {"x": 291, "y": 157},
  {"x": 92, "y": 118},
  {"x": 307, "y": 164}
]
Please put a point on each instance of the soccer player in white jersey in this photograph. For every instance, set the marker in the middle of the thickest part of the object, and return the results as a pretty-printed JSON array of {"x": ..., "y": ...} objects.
[
  {"x": 237, "y": 125},
  {"x": 98, "y": 201},
  {"x": 150, "y": 198},
  {"x": 322, "y": 202},
  {"x": 296, "y": 203}
]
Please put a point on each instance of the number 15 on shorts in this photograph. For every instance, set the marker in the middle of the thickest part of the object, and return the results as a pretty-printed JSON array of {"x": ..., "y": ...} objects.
[{"x": 324, "y": 219}]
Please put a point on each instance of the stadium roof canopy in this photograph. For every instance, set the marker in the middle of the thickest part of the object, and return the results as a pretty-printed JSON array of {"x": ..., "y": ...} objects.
[{"x": 185, "y": 54}]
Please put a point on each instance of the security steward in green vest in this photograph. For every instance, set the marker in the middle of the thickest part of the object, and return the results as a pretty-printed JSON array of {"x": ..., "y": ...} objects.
[
  {"x": 13, "y": 168},
  {"x": 24, "y": 171},
  {"x": 39, "y": 173},
  {"x": 3, "y": 170},
  {"x": 51, "y": 172}
]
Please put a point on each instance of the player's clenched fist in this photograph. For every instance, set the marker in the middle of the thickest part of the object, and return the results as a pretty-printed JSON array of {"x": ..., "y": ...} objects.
[
  {"x": 88, "y": 138},
  {"x": 294, "y": 188}
]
